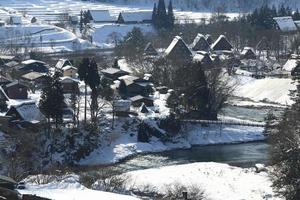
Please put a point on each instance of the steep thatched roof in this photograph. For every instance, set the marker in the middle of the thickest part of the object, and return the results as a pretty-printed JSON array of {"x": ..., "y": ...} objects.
[
  {"x": 178, "y": 50},
  {"x": 150, "y": 50},
  {"x": 222, "y": 44},
  {"x": 200, "y": 43}
]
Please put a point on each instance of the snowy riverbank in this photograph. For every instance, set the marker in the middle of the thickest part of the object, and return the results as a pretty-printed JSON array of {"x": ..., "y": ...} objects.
[{"x": 125, "y": 144}]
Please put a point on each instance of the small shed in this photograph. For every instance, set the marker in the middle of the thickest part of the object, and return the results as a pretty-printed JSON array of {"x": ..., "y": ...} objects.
[
  {"x": 138, "y": 101},
  {"x": 16, "y": 90},
  {"x": 221, "y": 44}
]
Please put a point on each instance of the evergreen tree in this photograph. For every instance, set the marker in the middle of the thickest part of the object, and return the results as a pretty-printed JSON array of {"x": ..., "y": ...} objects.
[
  {"x": 82, "y": 72},
  {"x": 52, "y": 100},
  {"x": 81, "y": 21},
  {"x": 171, "y": 17},
  {"x": 154, "y": 14},
  {"x": 122, "y": 89},
  {"x": 296, "y": 15},
  {"x": 116, "y": 64}
]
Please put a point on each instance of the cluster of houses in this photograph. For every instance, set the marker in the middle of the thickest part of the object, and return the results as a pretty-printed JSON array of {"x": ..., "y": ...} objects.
[
  {"x": 212, "y": 53},
  {"x": 124, "y": 17},
  {"x": 19, "y": 80}
]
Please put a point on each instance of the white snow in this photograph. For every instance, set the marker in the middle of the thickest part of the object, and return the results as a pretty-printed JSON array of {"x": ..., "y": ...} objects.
[
  {"x": 219, "y": 181},
  {"x": 69, "y": 189},
  {"x": 290, "y": 64},
  {"x": 275, "y": 90},
  {"x": 286, "y": 23}
]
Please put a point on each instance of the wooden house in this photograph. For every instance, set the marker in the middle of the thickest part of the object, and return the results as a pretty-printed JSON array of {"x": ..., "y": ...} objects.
[
  {"x": 131, "y": 86},
  {"x": 113, "y": 73},
  {"x": 33, "y": 66},
  {"x": 16, "y": 90},
  {"x": 100, "y": 16},
  {"x": 248, "y": 53},
  {"x": 69, "y": 85},
  {"x": 62, "y": 63},
  {"x": 34, "y": 78},
  {"x": 178, "y": 51},
  {"x": 138, "y": 101},
  {"x": 200, "y": 43},
  {"x": 203, "y": 58},
  {"x": 209, "y": 39},
  {"x": 135, "y": 17},
  {"x": 70, "y": 71},
  {"x": 150, "y": 50},
  {"x": 222, "y": 44},
  {"x": 27, "y": 112}
]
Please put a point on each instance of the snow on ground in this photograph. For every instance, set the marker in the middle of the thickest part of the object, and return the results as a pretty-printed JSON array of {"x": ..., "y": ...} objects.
[
  {"x": 274, "y": 90},
  {"x": 69, "y": 189},
  {"x": 124, "y": 143},
  {"x": 105, "y": 34},
  {"x": 219, "y": 181}
]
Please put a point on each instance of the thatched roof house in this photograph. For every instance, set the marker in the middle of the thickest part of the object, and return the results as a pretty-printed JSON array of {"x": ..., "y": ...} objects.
[
  {"x": 178, "y": 50},
  {"x": 221, "y": 44},
  {"x": 200, "y": 43}
]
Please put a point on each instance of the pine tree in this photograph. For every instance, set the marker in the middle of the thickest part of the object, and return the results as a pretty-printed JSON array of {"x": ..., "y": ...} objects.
[
  {"x": 82, "y": 72},
  {"x": 81, "y": 21},
  {"x": 52, "y": 100},
  {"x": 296, "y": 15},
  {"x": 154, "y": 14},
  {"x": 161, "y": 17},
  {"x": 171, "y": 17}
]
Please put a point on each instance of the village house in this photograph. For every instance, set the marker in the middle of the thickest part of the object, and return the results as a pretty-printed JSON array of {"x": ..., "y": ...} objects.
[
  {"x": 248, "y": 53},
  {"x": 138, "y": 101},
  {"x": 130, "y": 86},
  {"x": 34, "y": 78},
  {"x": 209, "y": 39},
  {"x": 286, "y": 24},
  {"x": 203, "y": 58},
  {"x": 4, "y": 80},
  {"x": 69, "y": 85},
  {"x": 5, "y": 59},
  {"x": 70, "y": 71},
  {"x": 100, "y": 16},
  {"x": 27, "y": 112},
  {"x": 113, "y": 74},
  {"x": 178, "y": 51},
  {"x": 16, "y": 90},
  {"x": 200, "y": 43},
  {"x": 122, "y": 107},
  {"x": 296, "y": 70},
  {"x": 135, "y": 17},
  {"x": 150, "y": 50},
  {"x": 62, "y": 63},
  {"x": 221, "y": 44},
  {"x": 33, "y": 66}
]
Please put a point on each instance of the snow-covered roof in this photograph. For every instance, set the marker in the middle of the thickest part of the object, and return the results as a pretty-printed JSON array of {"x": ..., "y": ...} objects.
[
  {"x": 67, "y": 79},
  {"x": 112, "y": 70},
  {"x": 30, "y": 61},
  {"x": 174, "y": 43},
  {"x": 29, "y": 112},
  {"x": 122, "y": 105},
  {"x": 201, "y": 56},
  {"x": 286, "y": 23},
  {"x": 101, "y": 16},
  {"x": 62, "y": 62},
  {"x": 67, "y": 67},
  {"x": 221, "y": 44},
  {"x": 291, "y": 64},
  {"x": 32, "y": 75},
  {"x": 200, "y": 43},
  {"x": 137, "y": 16}
]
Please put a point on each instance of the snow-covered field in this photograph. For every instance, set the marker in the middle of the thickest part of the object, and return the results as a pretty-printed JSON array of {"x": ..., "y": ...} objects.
[
  {"x": 104, "y": 34},
  {"x": 269, "y": 90},
  {"x": 218, "y": 181},
  {"x": 69, "y": 189}
]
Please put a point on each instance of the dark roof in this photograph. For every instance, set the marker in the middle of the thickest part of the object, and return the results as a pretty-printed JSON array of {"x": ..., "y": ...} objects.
[
  {"x": 200, "y": 43},
  {"x": 11, "y": 64},
  {"x": 14, "y": 83},
  {"x": 150, "y": 50},
  {"x": 222, "y": 44},
  {"x": 178, "y": 50}
]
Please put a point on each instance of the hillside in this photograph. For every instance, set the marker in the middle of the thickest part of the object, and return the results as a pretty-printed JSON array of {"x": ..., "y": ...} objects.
[{"x": 212, "y": 5}]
